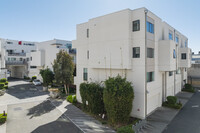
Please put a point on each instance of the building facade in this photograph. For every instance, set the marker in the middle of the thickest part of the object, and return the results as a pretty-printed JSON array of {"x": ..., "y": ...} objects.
[
  {"x": 25, "y": 59},
  {"x": 116, "y": 44}
]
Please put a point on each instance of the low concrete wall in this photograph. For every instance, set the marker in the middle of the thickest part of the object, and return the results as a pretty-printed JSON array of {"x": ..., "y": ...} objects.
[{"x": 194, "y": 75}]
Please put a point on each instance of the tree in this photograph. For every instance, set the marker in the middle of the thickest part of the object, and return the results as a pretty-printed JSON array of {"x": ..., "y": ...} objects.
[
  {"x": 63, "y": 68},
  {"x": 47, "y": 76}
]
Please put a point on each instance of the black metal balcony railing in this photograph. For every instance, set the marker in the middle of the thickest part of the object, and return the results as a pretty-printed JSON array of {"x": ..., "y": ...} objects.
[
  {"x": 16, "y": 62},
  {"x": 16, "y": 54}
]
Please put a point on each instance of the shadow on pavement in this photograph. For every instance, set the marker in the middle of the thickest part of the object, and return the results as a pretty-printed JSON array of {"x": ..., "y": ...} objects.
[
  {"x": 23, "y": 91},
  {"x": 43, "y": 108}
]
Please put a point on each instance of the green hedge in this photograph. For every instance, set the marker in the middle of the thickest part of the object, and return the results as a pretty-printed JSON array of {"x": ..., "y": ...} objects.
[
  {"x": 5, "y": 87},
  {"x": 71, "y": 99},
  {"x": 125, "y": 129},
  {"x": 118, "y": 98},
  {"x": 34, "y": 77},
  {"x": 3, "y": 80},
  {"x": 172, "y": 103},
  {"x": 1, "y": 85},
  {"x": 3, "y": 118},
  {"x": 6, "y": 83},
  {"x": 92, "y": 93},
  {"x": 188, "y": 88}
]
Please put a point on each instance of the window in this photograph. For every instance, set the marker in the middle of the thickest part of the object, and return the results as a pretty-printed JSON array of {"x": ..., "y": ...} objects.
[
  {"x": 88, "y": 54},
  {"x": 9, "y": 42},
  {"x": 178, "y": 71},
  {"x": 8, "y": 59},
  {"x": 87, "y": 33},
  {"x": 150, "y": 52},
  {"x": 150, "y": 76},
  {"x": 136, "y": 52},
  {"x": 27, "y": 59},
  {"x": 20, "y": 59},
  {"x": 183, "y": 56},
  {"x": 33, "y": 67},
  {"x": 85, "y": 74},
  {"x": 185, "y": 70},
  {"x": 31, "y": 58},
  {"x": 174, "y": 54},
  {"x": 22, "y": 51},
  {"x": 170, "y": 36},
  {"x": 170, "y": 73},
  {"x": 150, "y": 27},
  {"x": 177, "y": 39},
  {"x": 136, "y": 25},
  {"x": 186, "y": 44}
]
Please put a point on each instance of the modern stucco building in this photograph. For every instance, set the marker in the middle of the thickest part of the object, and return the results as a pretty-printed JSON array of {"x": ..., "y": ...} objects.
[
  {"x": 24, "y": 58},
  {"x": 155, "y": 59}
]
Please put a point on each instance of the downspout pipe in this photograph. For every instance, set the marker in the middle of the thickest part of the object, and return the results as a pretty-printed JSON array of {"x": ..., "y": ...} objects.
[{"x": 145, "y": 11}]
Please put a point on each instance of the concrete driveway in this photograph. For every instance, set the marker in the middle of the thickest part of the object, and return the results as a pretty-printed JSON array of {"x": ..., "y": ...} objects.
[{"x": 29, "y": 110}]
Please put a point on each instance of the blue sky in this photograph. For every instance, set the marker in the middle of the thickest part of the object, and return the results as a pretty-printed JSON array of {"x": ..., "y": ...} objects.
[{"x": 40, "y": 20}]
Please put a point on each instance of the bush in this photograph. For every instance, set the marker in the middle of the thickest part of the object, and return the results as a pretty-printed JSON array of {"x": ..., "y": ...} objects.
[
  {"x": 93, "y": 94},
  {"x": 5, "y": 87},
  {"x": 3, "y": 80},
  {"x": 125, "y": 129},
  {"x": 3, "y": 118},
  {"x": 118, "y": 98},
  {"x": 34, "y": 77},
  {"x": 188, "y": 88},
  {"x": 6, "y": 83},
  {"x": 27, "y": 78},
  {"x": 1, "y": 85},
  {"x": 71, "y": 99},
  {"x": 171, "y": 100}
]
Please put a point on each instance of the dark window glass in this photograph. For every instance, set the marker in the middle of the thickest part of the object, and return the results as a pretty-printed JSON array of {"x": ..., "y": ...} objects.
[
  {"x": 174, "y": 53},
  {"x": 183, "y": 56},
  {"x": 150, "y": 52},
  {"x": 150, "y": 76},
  {"x": 136, "y": 52},
  {"x": 170, "y": 73},
  {"x": 136, "y": 25},
  {"x": 33, "y": 66},
  {"x": 85, "y": 74},
  {"x": 87, "y": 33},
  {"x": 88, "y": 54},
  {"x": 177, "y": 39}
]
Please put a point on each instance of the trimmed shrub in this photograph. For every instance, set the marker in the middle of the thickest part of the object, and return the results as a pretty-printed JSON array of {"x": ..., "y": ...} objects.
[
  {"x": 6, "y": 83},
  {"x": 118, "y": 98},
  {"x": 171, "y": 99},
  {"x": 34, "y": 77},
  {"x": 5, "y": 87},
  {"x": 1, "y": 85},
  {"x": 69, "y": 99},
  {"x": 3, "y": 118},
  {"x": 172, "y": 102},
  {"x": 125, "y": 129},
  {"x": 93, "y": 94},
  {"x": 188, "y": 88},
  {"x": 3, "y": 80}
]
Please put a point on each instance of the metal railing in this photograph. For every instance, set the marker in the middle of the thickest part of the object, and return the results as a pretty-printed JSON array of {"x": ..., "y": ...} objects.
[
  {"x": 16, "y": 62},
  {"x": 16, "y": 54}
]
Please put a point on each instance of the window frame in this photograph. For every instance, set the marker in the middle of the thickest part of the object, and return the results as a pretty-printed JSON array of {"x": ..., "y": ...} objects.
[
  {"x": 151, "y": 54},
  {"x": 134, "y": 52},
  {"x": 150, "y": 27},
  {"x": 150, "y": 76},
  {"x": 85, "y": 74},
  {"x": 137, "y": 22},
  {"x": 183, "y": 57}
]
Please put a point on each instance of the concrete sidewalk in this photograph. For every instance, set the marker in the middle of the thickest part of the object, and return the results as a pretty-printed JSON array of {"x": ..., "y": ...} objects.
[
  {"x": 82, "y": 120},
  {"x": 159, "y": 119}
]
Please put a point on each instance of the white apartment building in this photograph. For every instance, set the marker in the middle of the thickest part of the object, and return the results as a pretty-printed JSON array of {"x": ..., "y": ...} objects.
[
  {"x": 23, "y": 58},
  {"x": 117, "y": 44},
  {"x": 17, "y": 56},
  {"x": 46, "y": 53}
]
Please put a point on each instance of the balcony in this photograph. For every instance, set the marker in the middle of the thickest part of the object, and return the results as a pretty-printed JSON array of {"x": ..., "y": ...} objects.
[
  {"x": 16, "y": 62},
  {"x": 166, "y": 54},
  {"x": 16, "y": 54},
  {"x": 184, "y": 57}
]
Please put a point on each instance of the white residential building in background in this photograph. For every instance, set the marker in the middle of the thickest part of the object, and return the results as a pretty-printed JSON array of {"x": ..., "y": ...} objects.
[
  {"x": 115, "y": 44},
  {"x": 25, "y": 59}
]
